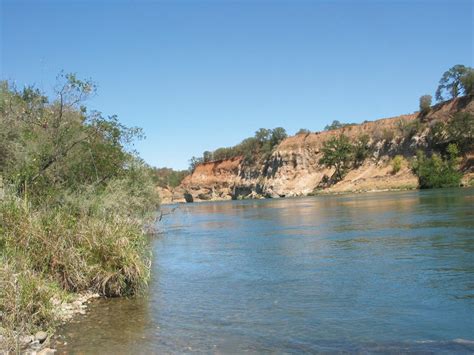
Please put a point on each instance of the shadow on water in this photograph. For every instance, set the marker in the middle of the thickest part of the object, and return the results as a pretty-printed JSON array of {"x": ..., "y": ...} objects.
[{"x": 382, "y": 272}]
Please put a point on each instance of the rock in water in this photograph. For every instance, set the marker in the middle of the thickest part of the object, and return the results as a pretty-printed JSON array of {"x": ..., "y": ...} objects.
[{"x": 41, "y": 336}]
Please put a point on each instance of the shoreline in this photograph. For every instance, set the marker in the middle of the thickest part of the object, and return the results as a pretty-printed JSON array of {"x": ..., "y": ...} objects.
[{"x": 42, "y": 342}]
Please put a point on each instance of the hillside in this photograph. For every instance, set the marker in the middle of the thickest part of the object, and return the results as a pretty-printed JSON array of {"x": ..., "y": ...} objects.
[{"x": 293, "y": 168}]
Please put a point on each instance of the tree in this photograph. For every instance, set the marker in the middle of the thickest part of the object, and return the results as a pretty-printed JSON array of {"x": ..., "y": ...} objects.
[
  {"x": 263, "y": 135},
  {"x": 467, "y": 82},
  {"x": 454, "y": 82},
  {"x": 460, "y": 131},
  {"x": 303, "y": 131},
  {"x": 278, "y": 134},
  {"x": 193, "y": 163},
  {"x": 207, "y": 156},
  {"x": 436, "y": 171},
  {"x": 337, "y": 153},
  {"x": 336, "y": 125},
  {"x": 425, "y": 104},
  {"x": 361, "y": 149}
]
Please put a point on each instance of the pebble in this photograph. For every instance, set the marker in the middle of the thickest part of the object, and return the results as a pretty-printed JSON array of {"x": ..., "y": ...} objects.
[{"x": 47, "y": 351}]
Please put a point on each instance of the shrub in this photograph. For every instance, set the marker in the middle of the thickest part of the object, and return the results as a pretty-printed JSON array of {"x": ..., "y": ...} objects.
[
  {"x": 436, "y": 171},
  {"x": 303, "y": 131},
  {"x": 409, "y": 129},
  {"x": 425, "y": 104},
  {"x": 361, "y": 149},
  {"x": 396, "y": 164}
]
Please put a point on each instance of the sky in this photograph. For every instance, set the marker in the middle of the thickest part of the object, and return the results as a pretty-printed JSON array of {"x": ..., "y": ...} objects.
[{"x": 198, "y": 75}]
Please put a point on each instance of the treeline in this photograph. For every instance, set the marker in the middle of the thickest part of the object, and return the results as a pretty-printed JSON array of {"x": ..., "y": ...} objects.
[
  {"x": 252, "y": 149},
  {"x": 167, "y": 177},
  {"x": 76, "y": 201}
]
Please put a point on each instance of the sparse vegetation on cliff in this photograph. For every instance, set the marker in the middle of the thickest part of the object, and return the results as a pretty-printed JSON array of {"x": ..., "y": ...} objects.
[
  {"x": 258, "y": 147},
  {"x": 75, "y": 207},
  {"x": 380, "y": 149}
]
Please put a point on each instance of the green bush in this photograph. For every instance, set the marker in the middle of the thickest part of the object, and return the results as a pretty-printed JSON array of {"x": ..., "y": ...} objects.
[
  {"x": 425, "y": 104},
  {"x": 338, "y": 154},
  {"x": 77, "y": 204},
  {"x": 436, "y": 171},
  {"x": 396, "y": 164}
]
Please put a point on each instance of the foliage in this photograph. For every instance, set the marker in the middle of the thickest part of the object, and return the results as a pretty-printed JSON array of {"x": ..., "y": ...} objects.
[
  {"x": 396, "y": 164},
  {"x": 260, "y": 146},
  {"x": 467, "y": 82},
  {"x": 436, "y": 171},
  {"x": 408, "y": 129},
  {"x": 303, "y": 131},
  {"x": 457, "y": 80},
  {"x": 77, "y": 201},
  {"x": 337, "y": 154},
  {"x": 459, "y": 130},
  {"x": 166, "y": 177},
  {"x": 361, "y": 149},
  {"x": 425, "y": 104},
  {"x": 336, "y": 125}
]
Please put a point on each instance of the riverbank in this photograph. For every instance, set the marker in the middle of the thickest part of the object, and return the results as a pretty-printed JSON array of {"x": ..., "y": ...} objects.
[{"x": 74, "y": 207}]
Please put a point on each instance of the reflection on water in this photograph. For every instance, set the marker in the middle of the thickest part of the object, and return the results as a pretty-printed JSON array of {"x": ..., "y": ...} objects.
[{"x": 374, "y": 272}]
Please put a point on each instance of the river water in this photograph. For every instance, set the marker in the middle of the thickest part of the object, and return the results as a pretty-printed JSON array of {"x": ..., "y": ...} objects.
[{"x": 380, "y": 272}]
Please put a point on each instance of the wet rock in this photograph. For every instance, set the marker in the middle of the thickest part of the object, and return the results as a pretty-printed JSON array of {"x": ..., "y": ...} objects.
[
  {"x": 188, "y": 197},
  {"x": 41, "y": 336}
]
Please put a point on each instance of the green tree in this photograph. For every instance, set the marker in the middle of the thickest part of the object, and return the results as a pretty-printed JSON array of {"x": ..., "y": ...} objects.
[
  {"x": 361, "y": 149},
  {"x": 194, "y": 162},
  {"x": 436, "y": 171},
  {"x": 454, "y": 82},
  {"x": 425, "y": 104},
  {"x": 303, "y": 131},
  {"x": 336, "y": 125},
  {"x": 338, "y": 154},
  {"x": 467, "y": 82},
  {"x": 207, "y": 156},
  {"x": 263, "y": 135},
  {"x": 278, "y": 134}
]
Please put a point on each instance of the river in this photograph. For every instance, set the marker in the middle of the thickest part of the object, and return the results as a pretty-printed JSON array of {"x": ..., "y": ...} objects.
[{"x": 376, "y": 272}]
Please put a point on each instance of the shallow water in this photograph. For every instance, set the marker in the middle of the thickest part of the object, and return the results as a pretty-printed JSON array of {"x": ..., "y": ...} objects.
[{"x": 381, "y": 272}]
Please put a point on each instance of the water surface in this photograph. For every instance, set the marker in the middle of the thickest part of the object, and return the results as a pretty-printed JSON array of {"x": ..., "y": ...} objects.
[{"x": 381, "y": 272}]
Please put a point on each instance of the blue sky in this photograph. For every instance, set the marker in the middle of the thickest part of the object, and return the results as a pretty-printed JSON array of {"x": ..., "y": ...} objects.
[{"x": 198, "y": 75}]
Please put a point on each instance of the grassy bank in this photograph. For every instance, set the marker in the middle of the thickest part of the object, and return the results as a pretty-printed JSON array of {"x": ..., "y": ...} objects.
[{"x": 75, "y": 207}]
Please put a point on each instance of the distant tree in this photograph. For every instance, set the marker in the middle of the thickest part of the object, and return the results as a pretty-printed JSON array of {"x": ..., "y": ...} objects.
[
  {"x": 337, "y": 153},
  {"x": 193, "y": 163},
  {"x": 461, "y": 131},
  {"x": 207, "y": 156},
  {"x": 454, "y": 82},
  {"x": 303, "y": 131},
  {"x": 361, "y": 149},
  {"x": 263, "y": 135},
  {"x": 278, "y": 134},
  {"x": 425, "y": 104},
  {"x": 334, "y": 125},
  {"x": 467, "y": 82}
]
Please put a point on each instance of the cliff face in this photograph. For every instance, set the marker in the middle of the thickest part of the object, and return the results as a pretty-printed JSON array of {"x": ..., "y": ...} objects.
[{"x": 293, "y": 168}]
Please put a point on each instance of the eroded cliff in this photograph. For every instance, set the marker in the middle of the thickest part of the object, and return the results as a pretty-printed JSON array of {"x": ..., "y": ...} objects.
[{"x": 293, "y": 168}]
